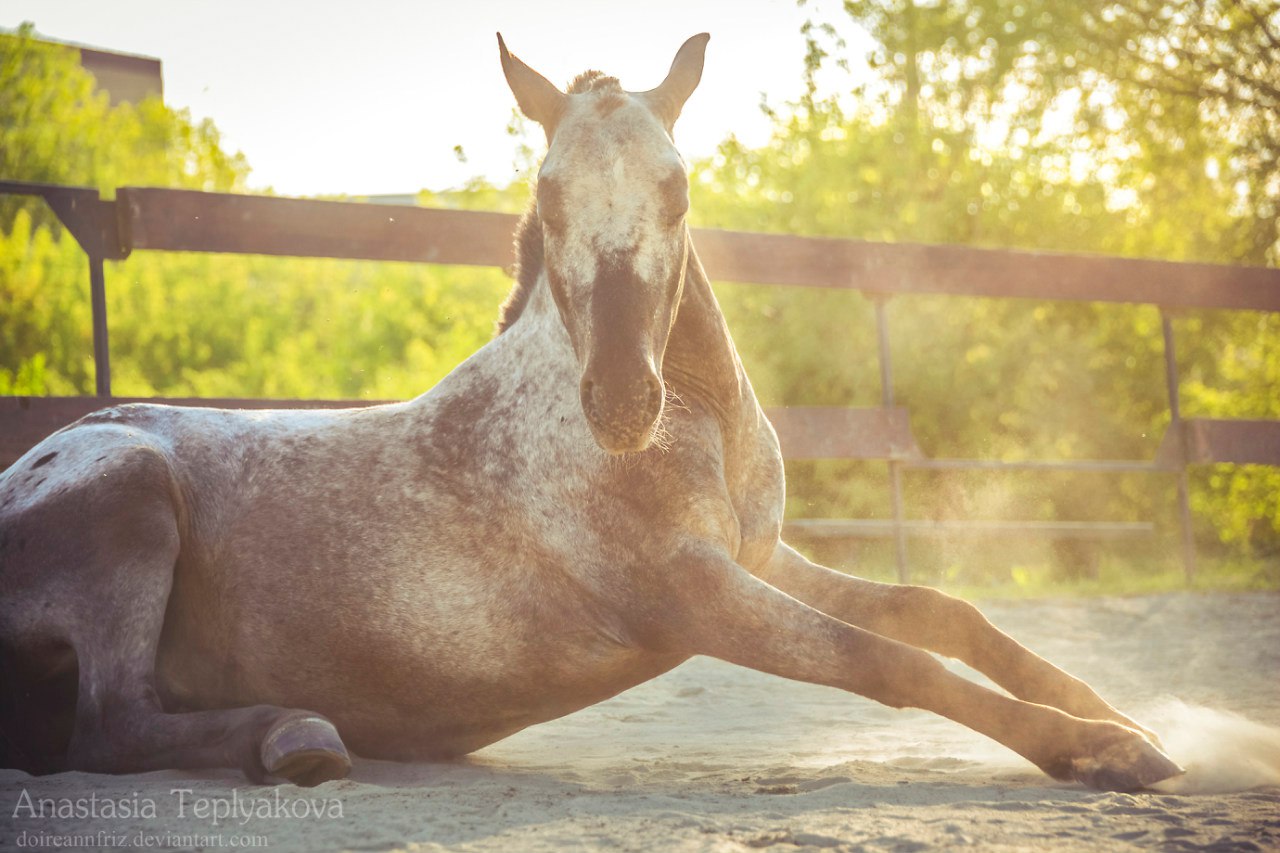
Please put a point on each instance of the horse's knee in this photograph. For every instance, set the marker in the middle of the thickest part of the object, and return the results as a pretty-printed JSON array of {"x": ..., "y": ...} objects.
[{"x": 947, "y": 625}]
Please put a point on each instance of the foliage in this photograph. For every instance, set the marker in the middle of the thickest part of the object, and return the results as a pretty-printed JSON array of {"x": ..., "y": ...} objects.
[
  {"x": 202, "y": 325},
  {"x": 1031, "y": 124},
  {"x": 56, "y": 127},
  {"x": 1036, "y": 124},
  {"x": 234, "y": 326}
]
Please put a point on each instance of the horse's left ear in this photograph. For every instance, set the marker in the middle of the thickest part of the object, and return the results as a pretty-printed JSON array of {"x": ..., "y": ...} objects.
[
  {"x": 686, "y": 70},
  {"x": 538, "y": 98}
]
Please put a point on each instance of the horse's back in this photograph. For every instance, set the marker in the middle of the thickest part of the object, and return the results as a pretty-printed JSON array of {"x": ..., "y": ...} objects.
[{"x": 156, "y": 471}]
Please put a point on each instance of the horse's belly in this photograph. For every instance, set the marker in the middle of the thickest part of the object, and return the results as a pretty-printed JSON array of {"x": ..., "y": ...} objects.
[
  {"x": 441, "y": 666},
  {"x": 456, "y": 717},
  {"x": 390, "y": 705}
]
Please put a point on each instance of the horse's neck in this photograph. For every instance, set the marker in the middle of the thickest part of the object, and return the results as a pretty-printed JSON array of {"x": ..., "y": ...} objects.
[{"x": 701, "y": 362}]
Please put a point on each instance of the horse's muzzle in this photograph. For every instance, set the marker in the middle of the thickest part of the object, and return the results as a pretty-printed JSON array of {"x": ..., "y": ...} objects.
[{"x": 622, "y": 415}]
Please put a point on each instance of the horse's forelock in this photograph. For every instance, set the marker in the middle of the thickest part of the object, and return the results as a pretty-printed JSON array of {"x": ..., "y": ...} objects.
[
  {"x": 606, "y": 90},
  {"x": 594, "y": 81}
]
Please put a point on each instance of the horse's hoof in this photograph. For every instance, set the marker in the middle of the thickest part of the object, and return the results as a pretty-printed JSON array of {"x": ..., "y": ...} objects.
[
  {"x": 305, "y": 750},
  {"x": 1128, "y": 764},
  {"x": 1142, "y": 730}
]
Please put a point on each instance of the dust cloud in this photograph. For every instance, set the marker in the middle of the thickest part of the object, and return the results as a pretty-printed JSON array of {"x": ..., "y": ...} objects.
[{"x": 1221, "y": 751}]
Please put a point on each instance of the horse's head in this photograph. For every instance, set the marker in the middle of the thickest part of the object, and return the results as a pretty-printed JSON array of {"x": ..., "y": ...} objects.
[{"x": 612, "y": 198}]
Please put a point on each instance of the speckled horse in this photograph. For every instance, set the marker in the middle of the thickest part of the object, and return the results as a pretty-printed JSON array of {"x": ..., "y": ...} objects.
[{"x": 592, "y": 498}]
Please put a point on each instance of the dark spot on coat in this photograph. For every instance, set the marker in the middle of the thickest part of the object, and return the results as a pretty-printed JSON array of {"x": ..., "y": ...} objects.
[
  {"x": 454, "y": 437},
  {"x": 44, "y": 460}
]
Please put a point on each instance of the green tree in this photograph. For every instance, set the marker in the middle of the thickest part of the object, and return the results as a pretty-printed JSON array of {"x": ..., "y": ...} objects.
[
  {"x": 1013, "y": 123},
  {"x": 56, "y": 127},
  {"x": 201, "y": 325}
]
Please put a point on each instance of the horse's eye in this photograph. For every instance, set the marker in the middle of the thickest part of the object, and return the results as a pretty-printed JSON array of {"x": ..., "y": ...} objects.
[
  {"x": 550, "y": 204},
  {"x": 674, "y": 193}
]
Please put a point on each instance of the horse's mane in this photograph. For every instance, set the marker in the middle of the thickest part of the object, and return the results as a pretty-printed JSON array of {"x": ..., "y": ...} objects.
[
  {"x": 528, "y": 266},
  {"x": 529, "y": 257}
]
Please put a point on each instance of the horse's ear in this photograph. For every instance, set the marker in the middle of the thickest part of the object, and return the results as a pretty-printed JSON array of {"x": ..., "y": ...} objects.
[
  {"x": 686, "y": 70},
  {"x": 538, "y": 98}
]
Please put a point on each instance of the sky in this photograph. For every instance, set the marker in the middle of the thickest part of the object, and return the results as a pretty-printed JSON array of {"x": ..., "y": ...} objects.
[{"x": 373, "y": 97}]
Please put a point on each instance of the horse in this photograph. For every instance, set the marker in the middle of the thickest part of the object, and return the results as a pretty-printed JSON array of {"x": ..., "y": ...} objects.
[{"x": 590, "y": 499}]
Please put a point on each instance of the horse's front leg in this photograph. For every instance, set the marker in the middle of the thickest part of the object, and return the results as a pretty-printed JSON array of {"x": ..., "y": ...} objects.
[
  {"x": 929, "y": 619},
  {"x": 713, "y": 606}
]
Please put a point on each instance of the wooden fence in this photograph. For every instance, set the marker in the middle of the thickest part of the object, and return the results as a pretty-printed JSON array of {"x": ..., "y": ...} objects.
[{"x": 182, "y": 220}]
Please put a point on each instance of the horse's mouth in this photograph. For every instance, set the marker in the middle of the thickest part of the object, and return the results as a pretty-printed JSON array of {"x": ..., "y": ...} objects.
[
  {"x": 624, "y": 417},
  {"x": 627, "y": 431},
  {"x": 621, "y": 442}
]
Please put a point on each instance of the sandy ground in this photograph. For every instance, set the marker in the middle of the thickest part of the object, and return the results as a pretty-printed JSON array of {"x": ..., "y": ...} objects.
[{"x": 712, "y": 757}]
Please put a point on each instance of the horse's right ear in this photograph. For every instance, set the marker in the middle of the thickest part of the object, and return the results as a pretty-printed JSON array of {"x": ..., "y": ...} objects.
[{"x": 538, "y": 98}]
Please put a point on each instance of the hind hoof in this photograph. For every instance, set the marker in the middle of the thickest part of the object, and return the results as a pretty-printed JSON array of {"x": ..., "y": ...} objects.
[
  {"x": 1128, "y": 764},
  {"x": 305, "y": 750}
]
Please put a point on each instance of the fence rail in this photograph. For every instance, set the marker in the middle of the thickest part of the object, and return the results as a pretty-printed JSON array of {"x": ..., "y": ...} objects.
[{"x": 183, "y": 220}]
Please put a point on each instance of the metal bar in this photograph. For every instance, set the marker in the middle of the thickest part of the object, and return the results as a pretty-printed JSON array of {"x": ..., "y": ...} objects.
[
  {"x": 1175, "y": 423},
  {"x": 842, "y": 528},
  {"x": 899, "y": 533},
  {"x": 821, "y": 432},
  {"x": 1111, "y": 466},
  {"x": 895, "y": 470},
  {"x": 1170, "y": 367},
  {"x": 94, "y": 224},
  {"x": 882, "y": 343},
  {"x": 101, "y": 353}
]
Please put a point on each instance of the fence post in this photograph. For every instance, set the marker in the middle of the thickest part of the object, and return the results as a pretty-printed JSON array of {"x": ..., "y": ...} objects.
[
  {"x": 98, "y": 299},
  {"x": 1175, "y": 423},
  {"x": 895, "y": 467}
]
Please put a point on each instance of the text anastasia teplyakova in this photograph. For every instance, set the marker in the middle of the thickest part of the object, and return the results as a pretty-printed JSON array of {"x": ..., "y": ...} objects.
[{"x": 237, "y": 807}]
